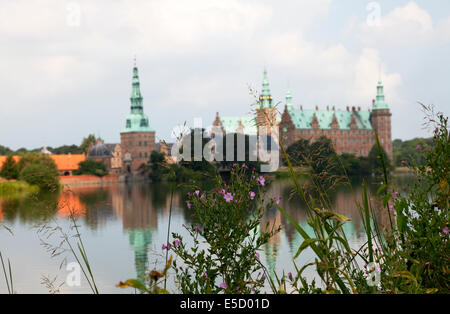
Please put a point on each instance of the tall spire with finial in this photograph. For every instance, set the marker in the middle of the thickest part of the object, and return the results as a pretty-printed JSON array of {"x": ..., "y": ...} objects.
[
  {"x": 380, "y": 102},
  {"x": 265, "y": 99},
  {"x": 136, "y": 121},
  {"x": 136, "y": 96},
  {"x": 288, "y": 99}
]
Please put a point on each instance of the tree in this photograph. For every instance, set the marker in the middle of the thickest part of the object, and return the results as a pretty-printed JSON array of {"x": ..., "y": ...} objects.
[
  {"x": 156, "y": 167},
  {"x": 87, "y": 141},
  {"x": 92, "y": 167},
  {"x": 39, "y": 170},
  {"x": 66, "y": 149},
  {"x": 5, "y": 150},
  {"x": 9, "y": 169},
  {"x": 411, "y": 150},
  {"x": 298, "y": 152},
  {"x": 355, "y": 166}
]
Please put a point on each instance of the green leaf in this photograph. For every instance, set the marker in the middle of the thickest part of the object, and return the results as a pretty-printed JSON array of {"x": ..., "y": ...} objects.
[{"x": 306, "y": 243}]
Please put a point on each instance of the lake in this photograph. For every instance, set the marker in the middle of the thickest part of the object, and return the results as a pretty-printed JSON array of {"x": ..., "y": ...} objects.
[{"x": 124, "y": 226}]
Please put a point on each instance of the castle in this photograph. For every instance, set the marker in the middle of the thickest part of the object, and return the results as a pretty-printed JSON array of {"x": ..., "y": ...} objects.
[{"x": 351, "y": 131}]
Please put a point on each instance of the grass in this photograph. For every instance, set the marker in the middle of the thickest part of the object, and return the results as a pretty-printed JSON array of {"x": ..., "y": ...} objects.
[{"x": 17, "y": 189}]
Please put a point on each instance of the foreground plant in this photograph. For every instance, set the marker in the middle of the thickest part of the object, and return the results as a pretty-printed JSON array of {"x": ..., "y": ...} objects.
[
  {"x": 150, "y": 284},
  {"x": 7, "y": 273},
  {"x": 226, "y": 237}
]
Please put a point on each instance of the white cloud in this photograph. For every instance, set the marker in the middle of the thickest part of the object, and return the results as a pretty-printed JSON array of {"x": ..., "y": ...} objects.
[{"x": 409, "y": 25}]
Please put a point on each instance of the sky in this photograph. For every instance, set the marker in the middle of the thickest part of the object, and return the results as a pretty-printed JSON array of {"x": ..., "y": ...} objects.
[{"x": 66, "y": 66}]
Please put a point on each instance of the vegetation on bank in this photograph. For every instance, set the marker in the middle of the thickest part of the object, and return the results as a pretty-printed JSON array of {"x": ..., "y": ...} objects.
[
  {"x": 34, "y": 169},
  {"x": 321, "y": 158},
  {"x": 17, "y": 189},
  {"x": 410, "y": 150},
  {"x": 91, "y": 167}
]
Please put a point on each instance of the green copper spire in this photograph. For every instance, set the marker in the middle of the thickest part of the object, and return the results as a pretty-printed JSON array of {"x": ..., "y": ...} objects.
[
  {"x": 136, "y": 121},
  {"x": 380, "y": 103},
  {"x": 288, "y": 99},
  {"x": 265, "y": 99},
  {"x": 136, "y": 96}
]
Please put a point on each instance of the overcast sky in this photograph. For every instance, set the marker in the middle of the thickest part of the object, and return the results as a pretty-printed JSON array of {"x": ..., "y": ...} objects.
[{"x": 66, "y": 66}]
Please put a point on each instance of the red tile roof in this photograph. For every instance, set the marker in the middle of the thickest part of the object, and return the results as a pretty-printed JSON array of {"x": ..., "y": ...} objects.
[{"x": 63, "y": 162}]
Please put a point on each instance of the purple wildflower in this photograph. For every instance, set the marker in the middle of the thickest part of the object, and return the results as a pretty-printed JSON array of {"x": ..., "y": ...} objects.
[
  {"x": 290, "y": 275},
  {"x": 261, "y": 180},
  {"x": 205, "y": 275},
  {"x": 164, "y": 247},
  {"x": 403, "y": 162},
  {"x": 418, "y": 146},
  {"x": 446, "y": 230},
  {"x": 177, "y": 242},
  {"x": 223, "y": 285},
  {"x": 228, "y": 197},
  {"x": 188, "y": 204},
  {"x": 252, "y": 195},
  {"x": 276, "y": 199},
  {"x": 197, "y": 192},
  {"x": 198, "y": 229},
  {"x": 427, "y": 263},
  {"x": 246, "y": 230},
  {"x": 257, "y": 255}
]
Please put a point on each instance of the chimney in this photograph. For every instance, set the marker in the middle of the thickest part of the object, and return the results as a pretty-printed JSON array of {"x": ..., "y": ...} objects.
[
  {"x": 373, "y": 102},
  {"x": 348, "y": 108},
  {"x": 317, "y": 108},
  {"x": 334, "y": 109},
  {"x": 359, "y": 108},
  {"x": 301, "y": 107},
  {"x": 328, "y": 108},
  {"x": 353, "y": 108}
]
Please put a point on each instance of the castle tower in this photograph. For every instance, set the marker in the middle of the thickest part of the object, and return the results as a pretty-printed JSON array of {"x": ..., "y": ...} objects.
[
  {"x": 381, "y": 120},
  {"x": 266, "y": 115},
  {"x": 137, "y": 139}
]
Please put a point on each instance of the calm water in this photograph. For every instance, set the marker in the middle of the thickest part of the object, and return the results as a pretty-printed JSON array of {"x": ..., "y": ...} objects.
[{"x": 123, "y": 228}]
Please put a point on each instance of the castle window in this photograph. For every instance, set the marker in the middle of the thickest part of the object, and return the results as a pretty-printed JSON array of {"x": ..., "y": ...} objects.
[
  {"x": 128, "y": 124},
  {"x": 140, "y": 143}
]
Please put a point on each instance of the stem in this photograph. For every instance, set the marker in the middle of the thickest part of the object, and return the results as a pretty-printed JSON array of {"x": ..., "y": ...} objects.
[{"x": 168, "y": 230}]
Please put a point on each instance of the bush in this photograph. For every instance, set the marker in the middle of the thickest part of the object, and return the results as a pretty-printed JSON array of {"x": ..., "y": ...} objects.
[
  {"x": 92, "y": 167},
  {"x": 39, "y": 170}
]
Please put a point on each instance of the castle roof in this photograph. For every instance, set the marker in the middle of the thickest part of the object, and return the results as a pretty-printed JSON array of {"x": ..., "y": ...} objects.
[
  {"x": 100, "y": 150},
  {"x": 302, "y": 118},
  {"x": 232, "y": 124}
]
